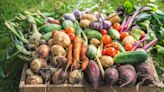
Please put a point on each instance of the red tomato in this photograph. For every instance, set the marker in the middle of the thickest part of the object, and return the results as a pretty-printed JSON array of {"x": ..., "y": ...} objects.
[
  {"x": 111, "y": 51},
  {"x": 69, "y": 30},
  {"x": 104, "y": 52},
  {"x": 106, "y": 39},
  {"x": 115, "y": 45},
  {"x": 117, "y": 26},
  {"x": 103, "y": 32},
  {"x": 128, "y": 47},
  {"x": 124, "y": 34},
  {"x": 142, "y": 34},
  {"x": 71, "y": 36},
  {"x": 107, "y": 45}
]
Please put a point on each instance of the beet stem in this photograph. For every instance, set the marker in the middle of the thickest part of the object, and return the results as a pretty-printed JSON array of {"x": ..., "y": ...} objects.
[{"x": 153, "y": 42}]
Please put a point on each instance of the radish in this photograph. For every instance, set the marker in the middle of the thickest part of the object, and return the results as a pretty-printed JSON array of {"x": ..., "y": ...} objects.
[{"x": 127, "y": 75}]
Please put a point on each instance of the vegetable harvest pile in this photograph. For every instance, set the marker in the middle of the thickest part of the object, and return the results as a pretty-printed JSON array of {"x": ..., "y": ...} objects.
[{"x": 90, "y": 45}]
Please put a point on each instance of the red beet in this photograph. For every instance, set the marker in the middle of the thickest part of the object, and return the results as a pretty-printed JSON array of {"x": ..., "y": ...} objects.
[
  {"x": 127, "y": 75},
  {"x": 145, "y": 73},
  {"x": 111, "y": 75},
  {"x": 93, "y": 73}
]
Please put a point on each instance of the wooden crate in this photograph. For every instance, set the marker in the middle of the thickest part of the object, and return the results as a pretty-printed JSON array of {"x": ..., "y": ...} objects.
[{"x": 76, "y": 88}]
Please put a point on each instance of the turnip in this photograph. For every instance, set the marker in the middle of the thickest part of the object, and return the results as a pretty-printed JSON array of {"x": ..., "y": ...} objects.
[
  {"x": 111, "y": 75},
  {"x": 43, "y": 51},
  {"x": 34, "y": 79},
  {"x": 127, "y": 75},
  {"x": 76, "y": 77},
  {"x": 58, "y": 50}
]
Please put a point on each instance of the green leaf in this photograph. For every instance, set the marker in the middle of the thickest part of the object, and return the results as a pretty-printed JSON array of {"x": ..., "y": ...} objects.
[
  {"x": 2, "y": 75},
  {"x": 128, "y": 6},
  {"x": 136, "y": 33}
]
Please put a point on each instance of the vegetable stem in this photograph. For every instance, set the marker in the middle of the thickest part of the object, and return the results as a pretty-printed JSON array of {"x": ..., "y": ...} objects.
[{"x": 153, "y": 42}]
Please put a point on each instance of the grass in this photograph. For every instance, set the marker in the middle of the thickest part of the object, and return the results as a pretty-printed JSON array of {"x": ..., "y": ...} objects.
[{"x": 9, "y": 9}]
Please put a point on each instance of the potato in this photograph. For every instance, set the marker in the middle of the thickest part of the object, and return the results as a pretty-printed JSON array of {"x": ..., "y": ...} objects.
[
  {"x": 95, "y": 42},
  {"x": 114, "y": 18},
  {"x": 90, "y": 17},
  {"x": 128, "y": 40},
  {"x": 84, "y": 23}
]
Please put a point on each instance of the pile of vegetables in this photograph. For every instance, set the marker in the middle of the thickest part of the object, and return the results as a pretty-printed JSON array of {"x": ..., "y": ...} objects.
[{"x": 103, "y": 48}]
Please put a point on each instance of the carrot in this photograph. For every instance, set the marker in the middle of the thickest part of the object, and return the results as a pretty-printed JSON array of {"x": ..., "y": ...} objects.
[
  {"x": 84, "y": 63},
  {"x": 83, "y": 51},
  {"x": 76, "y": 53},
  {"x": 69, "y": 54}
]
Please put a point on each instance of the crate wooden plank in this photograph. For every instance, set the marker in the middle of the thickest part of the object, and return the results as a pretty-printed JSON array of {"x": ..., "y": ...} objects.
[{"x": 76, "y": 88}]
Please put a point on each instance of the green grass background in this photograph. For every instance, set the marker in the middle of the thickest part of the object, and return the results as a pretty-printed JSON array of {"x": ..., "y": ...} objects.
[{"x": 10, "y": 8}]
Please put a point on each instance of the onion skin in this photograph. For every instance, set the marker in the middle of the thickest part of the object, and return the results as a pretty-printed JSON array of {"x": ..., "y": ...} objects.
[
  {"x": 43, "y": 51},
  {"x": 111, "y": 75},
  {"x": 34, "y": 79}
]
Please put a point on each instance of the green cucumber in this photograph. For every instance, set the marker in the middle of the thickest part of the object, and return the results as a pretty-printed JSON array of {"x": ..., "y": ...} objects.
[
  {"x": 92, "y": 51},
  {"x": 131, "y": 57},
  {"x": 114, "y": 34},
  {"x": 67, "y": 23},
  {"x": 50, "y": 28},
  {"x": 47, "y": 36},
  {"x": 121, "y": 48},
  {"x": 93, "y": 34}
]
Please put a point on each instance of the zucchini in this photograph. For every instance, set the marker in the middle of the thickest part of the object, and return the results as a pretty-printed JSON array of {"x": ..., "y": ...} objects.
[
  {"x": 67, "y": 23},
  {"x": 47, "y": 36},
  {"x": 121, "y": 48},
  {"x": 93, "y": 34},
  {"x": 92, "y": 51},
  {"x": 131, "y": 57},
  {"x": 50, "y": 28},
  {"x": 114, "y": 34}
]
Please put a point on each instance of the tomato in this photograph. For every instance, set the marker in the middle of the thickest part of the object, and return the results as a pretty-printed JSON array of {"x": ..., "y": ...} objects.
[
  {"x": 56, "y": 21},
  {"x": 115, "y": 45},
  {"x": 124, "y": 34},
  {"x": 106, "y": 39},
  {"x": 111, "y": 51},
  {"x": 117, "y": 26},
  {"x": 107, "y": 45},
  {"x": 128, "y": 47},
  {"x": 71, "y": 36},
  {"x": 103, "y": 32},
  {"x": 69, "y": 30},
  {"x": 142, "y": 34},
  {"x": 104, "y": 52}
]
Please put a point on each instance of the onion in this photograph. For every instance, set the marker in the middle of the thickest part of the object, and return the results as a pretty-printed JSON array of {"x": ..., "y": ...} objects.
[
  {"x": 58, "y": 50},
  {"x": 34, "y": 79},
  {"x": 43, "y": 51},
  {"x": 76, "y": 77},
  {"x": 77, "y": 14},
  {"x": 96, "y": 25},
  {"x": 69, "y": 16},
  {"x": 106, "y": 24}
]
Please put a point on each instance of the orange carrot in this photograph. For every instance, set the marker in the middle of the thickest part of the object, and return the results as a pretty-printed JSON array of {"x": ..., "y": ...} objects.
[
  {"x": 69, "y": 54},
  {"x": 84, "y": 63},
  {"x": 76, "y": 53},
  {"x": 83, "y": 51}
]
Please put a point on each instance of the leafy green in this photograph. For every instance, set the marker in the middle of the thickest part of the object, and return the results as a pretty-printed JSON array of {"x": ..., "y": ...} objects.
[{"x": 128, "y": 6}]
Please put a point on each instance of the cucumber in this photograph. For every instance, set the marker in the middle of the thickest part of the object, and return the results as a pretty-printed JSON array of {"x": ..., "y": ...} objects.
[
  {"x": 92, "y": 51},
  {"x": 114, "y": 34},
  {"x": 50, "y": 28},
  {"x": 121, "y": 48},
  {"x": 47, "y": 36},
  {"x": 131, "y": 57},
  {"x": 67, "y": 23},
  {"x": 93, "y": 34}
]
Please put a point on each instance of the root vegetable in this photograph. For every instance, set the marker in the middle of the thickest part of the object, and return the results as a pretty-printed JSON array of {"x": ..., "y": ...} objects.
[
  {"x": 59, "y": 77},
  {"x": 58, "y": 50},
  {"x": 34, "y": 79},
  {"x": 111, "y": 75},
  {"x": 50, "y": 43},
  {"x": 90, "y": 17},
  {"x": 95, "y": 42},
  {"x": 69, "y": 16},
  {"x": 85, "y": 23},
  {"x": 127, "y": 75},
  {"x": 29, "y": 72},
  {"x": 59, "y": 61},
  {"x": 128, "y": 40},
  {"x": 61, "y": 38},
  {"x": 106, "y": 61},
  {"x": 43, "y": 51},
  {"x": 114, "y": 18},
  {"x": 76, "y": 53},
  {"x": 93, "y": 73},
  {"x": 76, "y": 77},
  {"x": 36, "y": 64}
]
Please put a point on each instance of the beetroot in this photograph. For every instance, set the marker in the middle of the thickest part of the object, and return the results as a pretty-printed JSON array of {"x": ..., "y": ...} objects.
[
  {"x": 111, "y": 75},
  {"x": 127, "y": 75},
  {"x": 93, "y": 73},
  {"x": 146, "y": 73}
]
